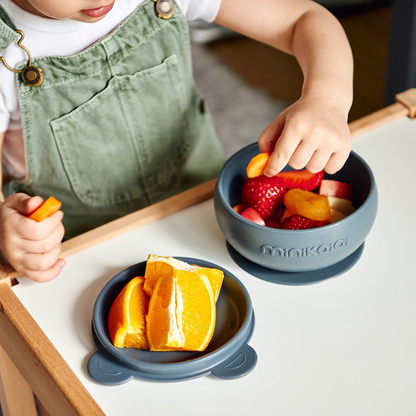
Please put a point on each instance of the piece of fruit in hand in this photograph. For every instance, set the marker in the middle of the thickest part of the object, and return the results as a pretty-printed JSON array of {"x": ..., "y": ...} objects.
[
  {"x": 301, "y": 179},
  {"x": 252, "y": 215},
  {"x": 264, "y": 194},
  {"x": 257, "y": 165},
  {"x": 298, "y": 222},
  {"x": 330, "y": 187},
  {"x": 46, "y": 209}
]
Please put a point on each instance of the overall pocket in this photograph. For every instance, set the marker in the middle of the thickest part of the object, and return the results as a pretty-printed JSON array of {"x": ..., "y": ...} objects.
[{"x": 130, "y": 139}]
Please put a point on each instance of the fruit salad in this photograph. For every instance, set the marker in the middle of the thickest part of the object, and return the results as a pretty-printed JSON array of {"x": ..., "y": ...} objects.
[{"x": 292, "y": 200}]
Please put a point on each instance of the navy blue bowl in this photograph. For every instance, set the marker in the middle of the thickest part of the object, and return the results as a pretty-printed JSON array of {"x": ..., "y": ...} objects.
[
  {"x": 227, "y": 356},
  {"x": 295, "y": 250}
]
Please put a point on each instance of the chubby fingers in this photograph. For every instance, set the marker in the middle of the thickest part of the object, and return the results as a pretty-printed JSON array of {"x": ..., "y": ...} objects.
[
  {"x": 316, "y": 152},
  {"x": 40, "y": 252},
  {"x": 337, "y": 161},
  {"x": 22, "y": 203},
  {"x": 33, "y": 248},
  {"x": 269, "y": 136},
  {"x": 44, "y": 238},
  {"x": 44, "y": 275},
  {"x": 283, "y": 142}
]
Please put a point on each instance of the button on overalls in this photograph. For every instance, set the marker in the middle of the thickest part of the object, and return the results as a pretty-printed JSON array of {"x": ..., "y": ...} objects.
[{"x": 117, "y": 126}]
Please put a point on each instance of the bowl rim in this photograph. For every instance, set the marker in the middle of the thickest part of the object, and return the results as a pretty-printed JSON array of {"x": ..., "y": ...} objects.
[{"x": 220, "y": 192}]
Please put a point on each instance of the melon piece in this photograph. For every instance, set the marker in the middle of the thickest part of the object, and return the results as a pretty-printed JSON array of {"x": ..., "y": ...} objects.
[{"x": 340, "y": 204}]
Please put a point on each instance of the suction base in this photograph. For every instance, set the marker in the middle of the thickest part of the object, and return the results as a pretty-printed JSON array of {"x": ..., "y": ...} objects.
[{"x": 295, "y": 278}]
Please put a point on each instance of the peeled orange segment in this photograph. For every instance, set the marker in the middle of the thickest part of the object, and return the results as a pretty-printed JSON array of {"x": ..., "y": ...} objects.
[
  {"x": 159, "y": 266},
  {"x": 49, "y": 207},
  {"x": 257, "y": 165},
  {"x": 214, "y": 276},
  {"x": 127, "y": 316},
  {"x": 307, "y": 204},
  {"x": 181, "y": 313}
]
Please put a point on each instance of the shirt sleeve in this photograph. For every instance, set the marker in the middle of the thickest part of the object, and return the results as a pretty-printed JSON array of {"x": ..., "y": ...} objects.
[{"x": 200, "y": 9}]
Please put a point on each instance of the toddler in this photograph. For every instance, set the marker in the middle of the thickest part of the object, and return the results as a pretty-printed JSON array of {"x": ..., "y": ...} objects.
[{"x": 98, "y": 108}]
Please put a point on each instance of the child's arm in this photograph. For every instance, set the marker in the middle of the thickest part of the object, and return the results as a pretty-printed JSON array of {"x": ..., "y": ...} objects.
[
  {"x": 32, "y": 248},
  {"x": 313, "y": 132}
]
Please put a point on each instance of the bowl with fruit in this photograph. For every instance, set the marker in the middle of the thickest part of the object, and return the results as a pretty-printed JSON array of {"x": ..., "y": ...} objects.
[
  {"x": 172, "y": 319},
  {"x": 296, "y": 227}
]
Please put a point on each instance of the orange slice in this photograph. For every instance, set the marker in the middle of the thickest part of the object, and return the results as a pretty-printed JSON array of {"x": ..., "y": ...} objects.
[
  {"x": 257, "y": 165},
  {"x": 181, "y": 313},
  {"x": 127, "y": 316},
  {"x": 159, "y": 266},
  {"x": 49, "y": 207}
]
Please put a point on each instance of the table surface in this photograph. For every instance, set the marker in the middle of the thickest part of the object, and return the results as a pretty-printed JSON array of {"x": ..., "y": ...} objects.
[{"x": 345, "y": 346}]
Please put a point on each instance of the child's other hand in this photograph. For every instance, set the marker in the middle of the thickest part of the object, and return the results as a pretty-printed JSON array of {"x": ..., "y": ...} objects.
[
  {"x": 312, "y": 133},
  {"x": 32, "y": 248}
]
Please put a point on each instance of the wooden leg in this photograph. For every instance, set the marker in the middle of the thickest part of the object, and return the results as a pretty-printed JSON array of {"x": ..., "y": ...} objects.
[
  {"x": 41, "y": 410},
  {"x": 16, "y": 397}
]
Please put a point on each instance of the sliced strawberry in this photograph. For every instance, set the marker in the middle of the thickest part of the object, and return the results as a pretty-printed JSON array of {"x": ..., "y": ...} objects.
[
  {"x": 297, "y": 222},
  {"x": 252, "y": 215},
  {"x": 264, "y": 194},
  {"x": 302, "y": 179}
]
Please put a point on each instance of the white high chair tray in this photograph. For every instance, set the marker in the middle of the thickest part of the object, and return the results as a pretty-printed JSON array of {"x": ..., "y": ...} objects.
[{"x": 345, "y": 346}]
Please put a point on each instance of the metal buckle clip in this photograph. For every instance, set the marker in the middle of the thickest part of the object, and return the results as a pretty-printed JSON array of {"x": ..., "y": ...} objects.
[
  {"x": 31, "y": 75},
  {"x": 164, "y": 8}
]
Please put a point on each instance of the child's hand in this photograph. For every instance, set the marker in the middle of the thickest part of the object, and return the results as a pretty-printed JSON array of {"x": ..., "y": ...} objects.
[
  {"x": 312, "y": 133},
  {"x": 32, "y": 248}
]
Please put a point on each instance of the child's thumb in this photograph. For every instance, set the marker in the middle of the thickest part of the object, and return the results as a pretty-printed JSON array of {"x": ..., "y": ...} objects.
[
  {"x": 23, "y": 203},
  {"x": 32, "y": 204}
]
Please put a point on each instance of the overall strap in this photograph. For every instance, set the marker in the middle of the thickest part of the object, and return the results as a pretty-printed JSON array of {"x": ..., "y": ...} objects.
[{"x": 7, "y": 30}]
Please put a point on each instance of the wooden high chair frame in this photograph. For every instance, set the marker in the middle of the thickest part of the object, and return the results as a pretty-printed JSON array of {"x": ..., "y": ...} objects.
[{"x": 29, "y": 363}]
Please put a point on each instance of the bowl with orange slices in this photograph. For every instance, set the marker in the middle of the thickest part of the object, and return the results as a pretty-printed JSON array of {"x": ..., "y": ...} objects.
[
  {"x": 296, "y": 227},
  {"x": 194, "y": 320}
]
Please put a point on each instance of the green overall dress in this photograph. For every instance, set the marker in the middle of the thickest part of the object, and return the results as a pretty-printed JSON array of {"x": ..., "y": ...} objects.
[{"x": 118, "y": 126}]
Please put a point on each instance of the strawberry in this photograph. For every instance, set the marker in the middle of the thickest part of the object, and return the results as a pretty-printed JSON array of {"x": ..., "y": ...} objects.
[
  {"x": 297, "y": 222},
  {"x": 302, "y": 179},
  {"x": 264, "y": 194},
  {"x": 272, "y": 224},
  {"x": 252, "y": 215}
]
